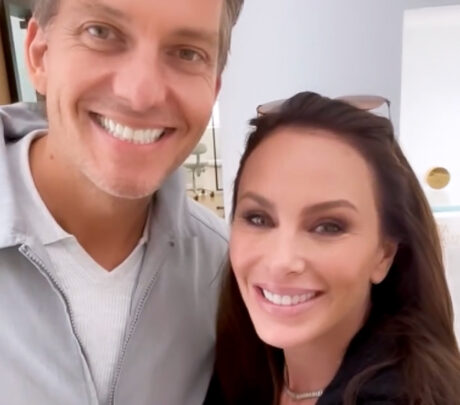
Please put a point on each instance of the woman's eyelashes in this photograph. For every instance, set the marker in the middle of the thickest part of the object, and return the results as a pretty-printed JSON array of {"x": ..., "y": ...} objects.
[
  {"x": 328, "y": 227},
  {"x": 257, "y": 219}
]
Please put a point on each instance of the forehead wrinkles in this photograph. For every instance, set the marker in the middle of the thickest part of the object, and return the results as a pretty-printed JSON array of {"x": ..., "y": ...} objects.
[{"x": 160, "y": 13}]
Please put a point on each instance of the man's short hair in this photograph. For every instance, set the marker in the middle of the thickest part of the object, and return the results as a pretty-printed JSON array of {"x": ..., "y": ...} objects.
[{"x": 45, "y": 10}]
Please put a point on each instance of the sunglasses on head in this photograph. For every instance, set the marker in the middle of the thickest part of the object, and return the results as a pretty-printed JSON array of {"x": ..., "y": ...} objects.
[{"x": 363, "y": 102}]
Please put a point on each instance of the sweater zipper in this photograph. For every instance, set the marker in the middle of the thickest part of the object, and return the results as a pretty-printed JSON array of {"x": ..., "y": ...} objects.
[
  {"x": 38, "y": 263},
  {"x": 132, "y": 327}
]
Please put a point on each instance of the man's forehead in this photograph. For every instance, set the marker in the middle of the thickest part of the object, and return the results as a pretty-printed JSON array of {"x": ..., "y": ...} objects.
[
  {"x": 189, "y": 26},
  {"x": 127, "y": 8},
  {"x": 98, "y": 7}
]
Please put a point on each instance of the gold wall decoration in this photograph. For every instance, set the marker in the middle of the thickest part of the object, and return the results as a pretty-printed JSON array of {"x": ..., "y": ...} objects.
[
  {"x": 438, "y": 177},
  {"x": 4, "y": 90}
]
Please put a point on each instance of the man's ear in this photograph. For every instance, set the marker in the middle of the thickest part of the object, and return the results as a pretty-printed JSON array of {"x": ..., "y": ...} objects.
[
  {"x": 388, "y": 250},
  {"x": 35, "y": 51}
]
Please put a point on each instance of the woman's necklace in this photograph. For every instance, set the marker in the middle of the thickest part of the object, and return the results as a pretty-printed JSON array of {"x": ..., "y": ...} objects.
[{"x": 299, "y": 396}]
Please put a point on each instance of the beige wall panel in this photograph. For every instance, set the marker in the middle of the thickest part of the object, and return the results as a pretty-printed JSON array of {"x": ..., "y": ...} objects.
[{"x": 4, "y": 91}]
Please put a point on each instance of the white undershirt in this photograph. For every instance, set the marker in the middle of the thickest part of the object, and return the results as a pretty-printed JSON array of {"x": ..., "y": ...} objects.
[{"x": 99, "y": 300}]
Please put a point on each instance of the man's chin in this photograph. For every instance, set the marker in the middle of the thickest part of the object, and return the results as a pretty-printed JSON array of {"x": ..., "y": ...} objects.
[
  {"x": 124, "y": 189},
  {"x": 128, "y": 192}
]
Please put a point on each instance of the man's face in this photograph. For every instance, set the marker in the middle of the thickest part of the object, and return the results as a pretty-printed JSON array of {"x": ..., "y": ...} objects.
[{"x": 129, "y": 84}]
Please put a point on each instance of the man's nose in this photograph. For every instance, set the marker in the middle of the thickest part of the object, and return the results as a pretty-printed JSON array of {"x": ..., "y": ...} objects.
[{"x": 141, "y": 81}]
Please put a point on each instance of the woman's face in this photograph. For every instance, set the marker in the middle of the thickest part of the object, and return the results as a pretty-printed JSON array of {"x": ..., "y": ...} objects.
[{"x": 306, "y": 244}]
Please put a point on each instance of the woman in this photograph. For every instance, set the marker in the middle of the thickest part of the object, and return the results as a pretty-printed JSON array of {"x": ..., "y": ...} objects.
[{"x": 336, "y": 292}]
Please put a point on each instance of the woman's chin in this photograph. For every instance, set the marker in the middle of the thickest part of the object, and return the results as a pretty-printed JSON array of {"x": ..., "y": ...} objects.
[{"x": 280, "y": 339}]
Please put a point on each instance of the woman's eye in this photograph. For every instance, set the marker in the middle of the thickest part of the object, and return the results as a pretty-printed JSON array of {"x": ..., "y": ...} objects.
[
  {"x": 101, "y": 32},
  {"x": 257, "y": 220},
  {"x": 329, "y": 228}
]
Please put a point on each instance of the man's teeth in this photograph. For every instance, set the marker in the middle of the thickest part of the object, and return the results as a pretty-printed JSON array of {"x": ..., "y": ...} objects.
[
  {"x": 127, "y": 134},
  {"x": 287, "y": 300}
]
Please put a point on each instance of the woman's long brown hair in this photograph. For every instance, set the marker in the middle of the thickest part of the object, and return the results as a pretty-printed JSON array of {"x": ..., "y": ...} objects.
[{"x": 413, "y": 299}]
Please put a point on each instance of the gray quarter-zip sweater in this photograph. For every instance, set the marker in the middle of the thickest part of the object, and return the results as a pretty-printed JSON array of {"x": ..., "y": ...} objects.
[{"x": 167, "y": 354}]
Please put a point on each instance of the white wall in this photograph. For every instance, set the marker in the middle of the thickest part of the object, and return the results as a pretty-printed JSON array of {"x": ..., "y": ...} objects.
[
  {"x": 334, "y": 47},
  {"x": 449, "y": 226},
  {"x": 430, "y": 97}
]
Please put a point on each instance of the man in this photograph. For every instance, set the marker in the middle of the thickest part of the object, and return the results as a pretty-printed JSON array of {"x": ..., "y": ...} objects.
[{"x": 108, "y": 273}]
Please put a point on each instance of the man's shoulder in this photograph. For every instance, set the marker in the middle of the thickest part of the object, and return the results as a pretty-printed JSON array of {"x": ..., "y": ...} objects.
[
  {"x": 206, "y": 223},
  {"x": 17, "y": 120}
]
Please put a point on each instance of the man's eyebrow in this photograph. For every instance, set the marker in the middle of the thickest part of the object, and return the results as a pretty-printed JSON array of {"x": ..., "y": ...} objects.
[
  {"x": 210, "y": 38},
  {"x": 99, "y": 7}
]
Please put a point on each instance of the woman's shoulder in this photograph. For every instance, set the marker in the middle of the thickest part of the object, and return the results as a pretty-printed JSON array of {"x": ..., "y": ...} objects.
[
  {"x": 370, "y": 369},
  {"x": 382, "y": 387}
]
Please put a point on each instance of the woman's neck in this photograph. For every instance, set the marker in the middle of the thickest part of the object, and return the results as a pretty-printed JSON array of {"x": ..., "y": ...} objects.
[{"x": 312, "y": 367}]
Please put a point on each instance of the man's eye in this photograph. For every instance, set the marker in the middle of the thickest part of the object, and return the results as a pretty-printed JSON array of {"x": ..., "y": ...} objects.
[
  {"x": 189, "y": 55},
  {"x": 101, "y": 32},
  {"x": 329, "y": 228}
]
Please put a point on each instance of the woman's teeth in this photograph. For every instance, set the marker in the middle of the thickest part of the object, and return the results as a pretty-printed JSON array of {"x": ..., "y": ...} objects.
[
  {"x": 127, "y": 134},
  {"x": 287, "y": 300}
]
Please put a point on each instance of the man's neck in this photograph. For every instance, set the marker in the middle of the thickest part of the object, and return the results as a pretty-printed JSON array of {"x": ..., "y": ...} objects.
[{"x": 108, "y": 228}]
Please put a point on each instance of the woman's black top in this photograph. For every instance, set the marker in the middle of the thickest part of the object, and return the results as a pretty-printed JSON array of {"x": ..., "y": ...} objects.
[{"x": 369, "y": 347}]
